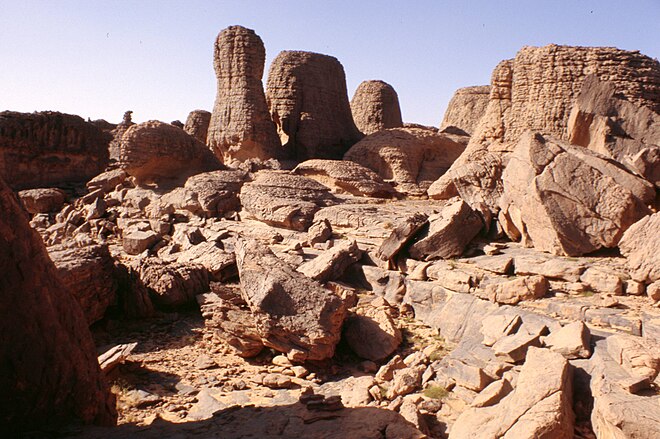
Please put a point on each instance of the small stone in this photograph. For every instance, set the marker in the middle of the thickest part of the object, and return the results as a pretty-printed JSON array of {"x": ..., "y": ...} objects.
[
  {"x": 205, "y": 362},
  {"x": 276, "y": 381}
]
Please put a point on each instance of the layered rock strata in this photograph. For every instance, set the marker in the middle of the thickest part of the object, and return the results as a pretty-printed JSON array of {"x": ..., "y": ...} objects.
[
  {"x": 375, "y": 107},
  {"x": 308, "y": 101},
  {"x": 241, "y": 127}
]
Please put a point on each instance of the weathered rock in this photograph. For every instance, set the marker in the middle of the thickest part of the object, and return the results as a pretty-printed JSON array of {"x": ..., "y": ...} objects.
[
  {"x": 653, "y": 291},
  {"x": 49, "y": 148},
  {"x": 568, "y": 200},
  {"x": 42, "y": 200},
  {"x": 332, "y": 263},
  {"x": 495, "y": 327},
  {"x": 405, "y": 381},
  {"x": 319, "y": 232},
  {"x": 604, "y": 122},
  {"x": 173, "y": 284},
  {"x": 241, "y": 127},
  {"x": 136, "y": 241},
  {"x": 638, "y": 356},
  {"x": 197, "y": 124},
  {"x": 602, "y": 281},
  {"x": 344, "y": 176},
  {"x": 465, "y": 375},
  {"x": 536, "y": 90},
  {"x": 227, "y": 313},
  {"x": 466, "y": 107},
  {"x": 48, "y": 365},
  {"x": 371, "y": 333},
  {"x": 513, "y": 348},
  {"x": 449, "y": 232},
  {"x": 572, "y": 341},
  {"x": 284, "y": 200},
  {"x": 220, "y": 264},
  {"x": 401, "y": 234},
  {"x": 156, "y": 151},
  {"x": 88, "y": 275},
  {"x": 117, "y": 133},
  {"x": 492, "y": 394},
  {"x": 540, "y": 406},
  {"x": 107, "y": 181},
  {"x": 293, "y": 313},
  {"x": 512, "y": 292},
  {"x": 375, "y": 107},
  {"x": 411, "y": 158},
  {"x": 308, "y": 101},
  {"x": 641, "y": 247},
  {"x": 216, "y": 192}
]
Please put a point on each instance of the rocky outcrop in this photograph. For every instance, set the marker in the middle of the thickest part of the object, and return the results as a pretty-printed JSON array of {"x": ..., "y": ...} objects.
[
  {"x": 308, "y": 101},
  {"x": 197, "y": 124},
  {"x": 241, "y": 127},
  {"x": 332, "y": 263},
  {"x": 448, "y": 233},
  {"x": 410, "y": 158},
  {"x": 540, "y": 406},
  {"x": 117, "y": 133},
  {"x": 216, "y": 192},
  {"x": 284, "y": 200},
  {"x": 49, "y": 148},
  {"x": 604, "y": 122},
  {"x": 344, "y": 176},
  {"x": 375, "y": 107},
  {"x": 48, "y": 367},
  {"x": 88, "y": 275},
  {"x": 641, "y": 247},
  {"x": 536, "y": 90},
  {"x": 155, "y": 151},
  {"x": 293, "y": 313},
  {"x": 173, "y": 284},
  {"x": 42, "y": 200},
  {"x": 466, "y": 108},
  {"x": 567, "y": 200}
]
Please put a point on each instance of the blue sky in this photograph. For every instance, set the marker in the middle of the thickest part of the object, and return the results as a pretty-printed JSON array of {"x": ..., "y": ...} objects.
[{"x": 100, "y": 58}]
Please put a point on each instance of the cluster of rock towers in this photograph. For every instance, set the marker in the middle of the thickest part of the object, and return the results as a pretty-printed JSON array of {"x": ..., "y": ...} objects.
[{"x": 304, "y": 112}]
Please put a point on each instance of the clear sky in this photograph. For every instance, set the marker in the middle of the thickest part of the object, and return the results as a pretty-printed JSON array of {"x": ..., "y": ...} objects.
[{"x": 100, "y": 58}]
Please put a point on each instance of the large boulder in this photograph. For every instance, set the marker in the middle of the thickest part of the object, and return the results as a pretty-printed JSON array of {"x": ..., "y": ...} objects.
[
  {"x": 604, "y": 122},
  {"x": 641, "y": 247},
  {"x": 410, "y": 158},
  {"x": 308, "y": 101},
  {"x": 88, "y": 274},
  {"x": 466, "y": 108},
  {"x": 568, "y": 200},
  {"x": 344, "y": 176},
  {"x": 216, "y": 192},
  {"x": 241, "y": 127},
  {"x": 49, "y": 148},
  {"x": 156, "y": 151},
  {"x": 48, "y": 367},
  {"x": 293, "y": 313},
  {"x": 42, "y": 200},
  {"x": 197, "y": 124},
  {"x": 540, "y": 405},
  {"x": 375, "y": 107},
  {"x": 284, "y": 200},
  {"x": 172, "y": 284}
]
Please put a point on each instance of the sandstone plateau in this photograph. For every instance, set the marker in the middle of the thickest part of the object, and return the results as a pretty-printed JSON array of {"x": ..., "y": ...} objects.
[{"x": 292, "y": 265}]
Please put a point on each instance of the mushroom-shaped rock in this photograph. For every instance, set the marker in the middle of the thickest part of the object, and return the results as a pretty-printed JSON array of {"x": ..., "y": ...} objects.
[
  {"x": 466, "y": 108},
  {"x": 155, "y": 151},
  {"x": 411, "y": 158},
  {"x": 48, "y": 367},
  {"x": 49, "y": 148},
  {"x": 344, "y": 176},
  {"x": 197, "y": 124},
  {"x": 568, "y": 200},
  {"x": 293, "y": 313},
  {"x": 308, "y": 102},
  {"x": 285, "y": 200},
  {"x": 375, "y": 107},
  {"x": 241, "y": 127}
]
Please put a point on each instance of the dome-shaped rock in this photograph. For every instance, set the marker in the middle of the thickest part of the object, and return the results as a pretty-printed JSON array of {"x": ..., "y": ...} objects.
[{"x": 375, "y": 107}]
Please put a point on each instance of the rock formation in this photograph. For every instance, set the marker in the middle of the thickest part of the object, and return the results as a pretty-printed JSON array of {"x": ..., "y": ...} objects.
[
  {"x": 466, "y": 108},
  {"x": 293, "y": 314},
  {"x": 49, "y": 148},
  {"x": 375, "y": 107},
  {"x": 240, "y": 126},
  {"x": 48, "y": 367},
  {"x": 641, "y": 247},
  {"x": 42, "y": 200},
  {"x": 308, "y": 101},
  {"x": 197, "y": 124},
  {"x": 117, "y": 133},
  {"x": 344, "y": 176},
  {"x": 284, "y": 200},
  {"x": 410, "y": 158},
  {"x": 158, "y": 151},
  {"x": 604, "y": 122},
  {"x": 568, "y": 200}
]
